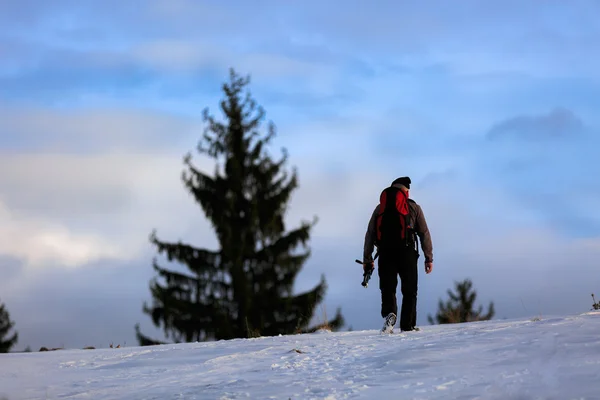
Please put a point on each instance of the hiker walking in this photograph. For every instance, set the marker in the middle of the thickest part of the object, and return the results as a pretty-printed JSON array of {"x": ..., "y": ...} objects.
[{"x": 393, "y": 229}]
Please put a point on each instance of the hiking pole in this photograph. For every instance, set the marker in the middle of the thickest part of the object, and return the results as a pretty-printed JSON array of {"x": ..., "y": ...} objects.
[{"x": 367, "y": 274}]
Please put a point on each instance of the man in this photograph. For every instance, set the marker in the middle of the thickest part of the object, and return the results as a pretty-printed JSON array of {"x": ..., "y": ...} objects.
[{"x": 393, "y": 228}]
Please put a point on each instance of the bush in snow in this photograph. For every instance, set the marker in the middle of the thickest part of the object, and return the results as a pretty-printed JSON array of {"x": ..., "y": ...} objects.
[{"x": 596, "y": 305}]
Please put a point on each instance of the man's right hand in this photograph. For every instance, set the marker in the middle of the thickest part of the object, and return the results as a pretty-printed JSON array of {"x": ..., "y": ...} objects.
[
  {"x": 428, "y": 267},
  {"x": 368, "y": 266}
]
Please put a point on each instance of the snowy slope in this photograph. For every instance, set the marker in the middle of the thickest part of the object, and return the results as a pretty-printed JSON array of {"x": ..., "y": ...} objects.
[{"x": 555, "y": 358}]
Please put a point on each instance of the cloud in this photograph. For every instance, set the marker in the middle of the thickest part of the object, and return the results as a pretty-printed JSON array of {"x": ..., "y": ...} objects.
[
  {"x": 94, "y": 305},
  {"x": 180, "y": 55},
  {"x": 405, "y": 55},
  {"x": 11, "y": 269},
  {"x": 167, "y": 68},
  {"x": 521, "y": 41},
  {"x": 69, "y": 210},
  {"x": 93, "y": 130},
  {"x": 189, "y": 55},
  {"x": 57, "y": 72},
  {"x": 41, "y": 243},
  {"x": 559, "y": 123},
  {"x": 546, "y": 162}
]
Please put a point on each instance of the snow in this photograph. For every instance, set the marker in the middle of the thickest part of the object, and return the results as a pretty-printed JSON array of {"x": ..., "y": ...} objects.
[{"x": 552, "y": 358}]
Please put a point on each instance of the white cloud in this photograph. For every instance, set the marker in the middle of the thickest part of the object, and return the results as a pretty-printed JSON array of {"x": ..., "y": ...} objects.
[
  {"x": 60, "y": 210},
  {"x": 94, "y": 129},
  {"x": 180, "y": 55},
  {"x": 61, "y": 207},
  {"x": 39, "y": 242},
  {"x": 176, "y": 55}
]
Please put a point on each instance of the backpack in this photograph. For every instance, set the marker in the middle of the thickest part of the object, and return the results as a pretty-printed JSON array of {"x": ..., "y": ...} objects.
[{"x": 393, "y": 220}]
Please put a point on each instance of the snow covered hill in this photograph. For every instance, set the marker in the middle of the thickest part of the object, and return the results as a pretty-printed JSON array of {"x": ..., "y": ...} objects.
[{"x": 554, "y": 358}]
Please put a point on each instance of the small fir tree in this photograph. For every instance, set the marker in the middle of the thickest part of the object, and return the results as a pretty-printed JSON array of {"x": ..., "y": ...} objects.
[
  {"x": 6, "y": 342},
  {"x": 459, "y": 307}
]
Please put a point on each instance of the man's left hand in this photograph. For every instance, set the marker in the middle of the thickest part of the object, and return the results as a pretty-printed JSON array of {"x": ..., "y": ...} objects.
[{"x": 428, "y": 267}]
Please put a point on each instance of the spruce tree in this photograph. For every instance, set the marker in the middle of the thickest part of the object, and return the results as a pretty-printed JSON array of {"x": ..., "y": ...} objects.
[
  {"x": 459, "y": 308},
  {"x": 244, "y": 288},
  {"x": 6, "y": 343}
]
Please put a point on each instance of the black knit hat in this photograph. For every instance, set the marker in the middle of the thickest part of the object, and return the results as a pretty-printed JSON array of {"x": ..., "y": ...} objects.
[{"x": 405, "y": 181}]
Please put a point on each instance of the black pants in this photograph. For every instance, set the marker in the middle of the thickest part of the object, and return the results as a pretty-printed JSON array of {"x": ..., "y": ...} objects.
[{"x": 391, "y": 266}]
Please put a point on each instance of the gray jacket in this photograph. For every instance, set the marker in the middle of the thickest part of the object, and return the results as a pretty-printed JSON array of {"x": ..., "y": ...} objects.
[{"x": 417, "y": 219}]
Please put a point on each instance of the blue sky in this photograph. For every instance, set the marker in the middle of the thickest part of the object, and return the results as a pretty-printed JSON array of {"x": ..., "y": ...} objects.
[{"x": 490, "y": 107}]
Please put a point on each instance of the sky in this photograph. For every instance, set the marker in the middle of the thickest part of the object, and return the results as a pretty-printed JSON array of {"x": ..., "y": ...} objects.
[{"x": 490, "y": 108}]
